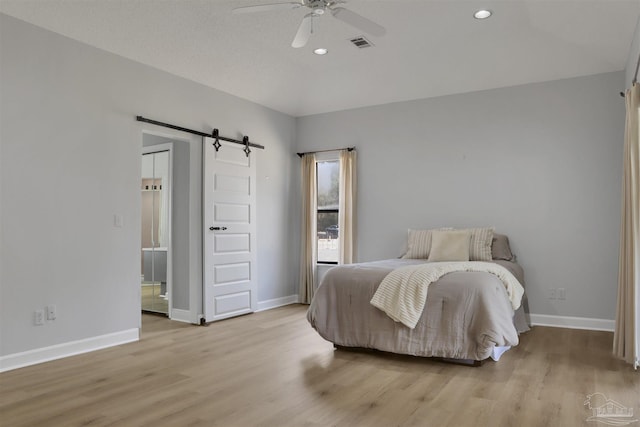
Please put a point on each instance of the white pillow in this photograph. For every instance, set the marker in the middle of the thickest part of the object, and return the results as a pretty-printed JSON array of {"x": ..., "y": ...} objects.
[
  {"x": 419, "y": 243},
  {"x": 450, "y": 245},
  {"x": 480, "y": 245}
]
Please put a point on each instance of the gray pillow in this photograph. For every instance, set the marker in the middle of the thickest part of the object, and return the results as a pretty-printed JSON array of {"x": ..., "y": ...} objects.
[{"x": 500, "y": 248}]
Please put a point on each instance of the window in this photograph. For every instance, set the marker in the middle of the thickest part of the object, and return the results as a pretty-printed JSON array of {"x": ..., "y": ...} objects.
[{"x": 328, "y": 180}]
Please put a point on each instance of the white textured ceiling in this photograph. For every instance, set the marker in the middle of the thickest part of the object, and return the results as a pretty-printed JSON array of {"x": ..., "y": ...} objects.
[{"x": 431, "y": 48}]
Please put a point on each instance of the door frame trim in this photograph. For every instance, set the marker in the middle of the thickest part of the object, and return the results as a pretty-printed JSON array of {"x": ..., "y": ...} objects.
[{"x": 194, "y": 255}]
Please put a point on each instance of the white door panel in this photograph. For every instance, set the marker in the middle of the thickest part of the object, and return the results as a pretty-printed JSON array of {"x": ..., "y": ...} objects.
[
  {"x": 229, "y": 248},
  {"x": 234, "y": 156},
  {"x": 233, "y": 304},
  {"x": 236, "y": 272},
  {"x": 232, "y": 184},
  {"x": 232, "y": 212},
  {"x": 232, "y": 243}
]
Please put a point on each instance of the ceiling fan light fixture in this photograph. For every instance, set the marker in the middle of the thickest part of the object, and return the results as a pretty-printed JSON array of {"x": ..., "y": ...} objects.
[
  {"x": 482, "y": 14},
  {"x": 320, "y": 51}
]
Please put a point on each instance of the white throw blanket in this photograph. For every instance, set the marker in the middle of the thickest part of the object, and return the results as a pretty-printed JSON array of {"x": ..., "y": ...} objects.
[{"x": 403, "y": 292}]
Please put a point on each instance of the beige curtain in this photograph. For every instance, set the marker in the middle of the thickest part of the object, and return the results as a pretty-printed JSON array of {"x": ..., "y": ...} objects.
[
  {"x": 347, "y": 207},
  {"x": 308, "y": 250},
  {"x": 625, "y": 338}
]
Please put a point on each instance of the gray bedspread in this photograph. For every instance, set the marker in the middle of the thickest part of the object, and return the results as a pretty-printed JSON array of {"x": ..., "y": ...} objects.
[{"x": 466, "y": 314}]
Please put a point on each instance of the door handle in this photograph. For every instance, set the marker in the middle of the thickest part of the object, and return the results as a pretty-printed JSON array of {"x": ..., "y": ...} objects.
[{"x": 217, "y": 228}]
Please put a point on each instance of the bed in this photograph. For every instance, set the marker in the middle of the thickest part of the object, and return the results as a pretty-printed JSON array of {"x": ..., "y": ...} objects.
[{"x": 468, "y": 315}]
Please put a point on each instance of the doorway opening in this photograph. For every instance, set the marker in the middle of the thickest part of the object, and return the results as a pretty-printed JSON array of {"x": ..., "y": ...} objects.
[
  {"x": 155, "y": 257},
  {"x": 180, "y": 296}
]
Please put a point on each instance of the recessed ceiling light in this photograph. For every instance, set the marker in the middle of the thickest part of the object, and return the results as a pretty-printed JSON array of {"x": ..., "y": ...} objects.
[
  {"x": 482, "y": 14},
  {"x": 320, "y": 51}
]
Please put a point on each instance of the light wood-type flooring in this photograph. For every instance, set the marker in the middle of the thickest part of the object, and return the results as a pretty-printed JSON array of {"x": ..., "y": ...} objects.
[{"x": 272, "y": 369}]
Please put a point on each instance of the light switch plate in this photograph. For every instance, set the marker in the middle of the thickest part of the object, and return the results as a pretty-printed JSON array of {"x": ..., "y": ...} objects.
[
  {"x": 38, "y": 317},
  {"x": 51, "y": 312}
]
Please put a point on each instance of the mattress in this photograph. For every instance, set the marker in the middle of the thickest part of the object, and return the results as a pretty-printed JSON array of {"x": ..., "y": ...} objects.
[{"x": 466, "y": 315}]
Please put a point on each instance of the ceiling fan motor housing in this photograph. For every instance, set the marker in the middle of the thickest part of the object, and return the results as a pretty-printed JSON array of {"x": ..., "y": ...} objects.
[{"x": 319, "y": 6}]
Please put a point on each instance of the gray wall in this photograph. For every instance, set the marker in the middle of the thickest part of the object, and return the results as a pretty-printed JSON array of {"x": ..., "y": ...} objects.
[
  {"x": 70, "y": 159},
  {"x": 540, "y": 162}
]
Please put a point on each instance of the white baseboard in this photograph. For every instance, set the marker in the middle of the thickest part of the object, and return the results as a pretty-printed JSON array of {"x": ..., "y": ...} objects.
[
  {"x": 277, "y": 302},
  {"x": 58, "y": 351},
  {"x": 573, "y": 322},
  {"x": 181, "y": 315}
]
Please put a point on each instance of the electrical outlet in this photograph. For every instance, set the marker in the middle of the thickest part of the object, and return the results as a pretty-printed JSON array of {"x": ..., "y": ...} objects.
[
  {"x": 552, "y": 293},
  {"x": 562, "y": 294},
  {"x": 51, "y": 312},
  {"x": 38, "y": 317}
]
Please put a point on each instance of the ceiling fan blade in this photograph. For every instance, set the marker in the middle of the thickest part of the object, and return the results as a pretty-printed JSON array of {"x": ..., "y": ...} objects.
[
  {"x": 358, "y": 21},
  {"x": 304, "y": 32},
  {"x": 267, "y": 7}
]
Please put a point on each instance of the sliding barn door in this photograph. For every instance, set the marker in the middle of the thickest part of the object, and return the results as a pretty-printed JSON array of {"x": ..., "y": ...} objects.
[{"x": 229, "y": 196}]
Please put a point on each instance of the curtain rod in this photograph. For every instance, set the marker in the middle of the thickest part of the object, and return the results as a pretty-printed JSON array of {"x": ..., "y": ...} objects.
[
  {"x": 213, "y": 134},
  {"x": 326, "y": 151}
]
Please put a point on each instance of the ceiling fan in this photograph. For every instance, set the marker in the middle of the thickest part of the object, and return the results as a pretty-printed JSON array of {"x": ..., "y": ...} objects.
[{"x": 318, "y": 8}]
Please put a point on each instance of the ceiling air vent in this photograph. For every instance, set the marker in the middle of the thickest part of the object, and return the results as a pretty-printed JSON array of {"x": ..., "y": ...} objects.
[{"x": 361, "y": 42}]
